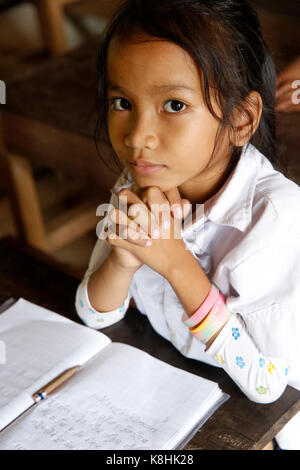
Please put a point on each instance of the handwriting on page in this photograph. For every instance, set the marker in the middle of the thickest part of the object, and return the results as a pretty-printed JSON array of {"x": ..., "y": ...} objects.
[
  {"x": 123, "y": 399},
  {"x": 61, "y": 426}
]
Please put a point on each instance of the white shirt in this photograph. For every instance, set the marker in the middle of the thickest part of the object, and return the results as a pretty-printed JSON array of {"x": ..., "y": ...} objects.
[{"x": 247, "y": 240}]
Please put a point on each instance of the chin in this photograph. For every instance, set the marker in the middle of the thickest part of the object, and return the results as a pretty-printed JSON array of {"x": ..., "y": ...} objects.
[{"x": 146, "y": 181}]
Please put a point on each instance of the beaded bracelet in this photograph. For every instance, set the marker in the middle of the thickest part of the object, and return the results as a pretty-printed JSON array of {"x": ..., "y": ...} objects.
[{"x": 204, "y": 308}]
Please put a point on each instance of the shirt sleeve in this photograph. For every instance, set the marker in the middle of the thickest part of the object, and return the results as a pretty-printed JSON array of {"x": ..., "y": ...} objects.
[
  {"x": 259, "y": 346},
  {"x": 92, "y": 317},
  {"x": 261, "y": 378},
  {"x": 265, "y": 293},
  {"x": 102, "y": 248}
]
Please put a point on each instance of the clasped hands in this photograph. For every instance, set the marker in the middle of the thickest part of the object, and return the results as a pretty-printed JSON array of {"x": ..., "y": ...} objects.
[{"x": 146, "y": 228}]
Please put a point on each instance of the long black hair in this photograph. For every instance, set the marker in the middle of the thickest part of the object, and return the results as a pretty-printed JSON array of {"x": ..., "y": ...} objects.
[{"x": 224, "y": 39}]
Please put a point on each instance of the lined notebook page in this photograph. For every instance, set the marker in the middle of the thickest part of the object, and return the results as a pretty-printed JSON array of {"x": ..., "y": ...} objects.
[
  {"x": 39, "y": 345},
  {"x": 123, "y": 399}
]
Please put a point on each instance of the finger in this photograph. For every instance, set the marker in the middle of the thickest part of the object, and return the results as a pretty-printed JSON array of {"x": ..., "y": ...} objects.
[
  {"x": 129, "y": 235},
  {"x": 143, "y": 217},
  {"x": 175, "y": 201},
  {"x": 180, "y": 207},
  {"x": 129, "y": 197},
  {"x": 128, "y": 240},
  {"x": 126, "y": 228},
  {"x": 136, "y": 207},
  {"x": 159, "y": 207}
]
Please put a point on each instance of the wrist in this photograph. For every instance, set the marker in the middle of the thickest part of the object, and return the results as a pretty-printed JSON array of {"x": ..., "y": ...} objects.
[
  {"x": 189, "y": 281},
  {"x": 181, "y": 257},
  {"x": 182, "y": 263},
  {"x": 114, "y": 262}
]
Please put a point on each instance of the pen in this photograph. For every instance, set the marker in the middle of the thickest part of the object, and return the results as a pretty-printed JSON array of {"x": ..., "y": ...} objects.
[
  {"x": 43, "y": 392},
  {"x": 53, "y": 385}
]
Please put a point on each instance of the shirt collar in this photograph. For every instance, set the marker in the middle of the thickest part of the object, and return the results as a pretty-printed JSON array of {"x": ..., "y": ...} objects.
[{"x": 232, "y": 204}]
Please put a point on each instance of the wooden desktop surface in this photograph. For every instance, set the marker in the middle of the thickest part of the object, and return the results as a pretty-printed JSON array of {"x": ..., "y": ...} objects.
[{"x": 239, "y": 424}]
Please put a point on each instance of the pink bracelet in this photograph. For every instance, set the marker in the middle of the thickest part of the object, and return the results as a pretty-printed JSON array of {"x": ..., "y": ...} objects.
[
  {"x": 219, "y": 316},
  {"x": 219, "y": 304},
  {"x": 204, "y": 308}
]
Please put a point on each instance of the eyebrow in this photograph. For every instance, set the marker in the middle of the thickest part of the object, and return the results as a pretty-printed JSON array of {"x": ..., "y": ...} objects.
[{"x": 159, "y": 88}]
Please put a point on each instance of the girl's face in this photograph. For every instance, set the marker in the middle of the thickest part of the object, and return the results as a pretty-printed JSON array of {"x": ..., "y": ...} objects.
[{"x": 157, "y": 114}]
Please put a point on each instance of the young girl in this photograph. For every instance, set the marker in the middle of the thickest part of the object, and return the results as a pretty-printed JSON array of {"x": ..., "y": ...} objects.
[{"x": 187, "y": 90}]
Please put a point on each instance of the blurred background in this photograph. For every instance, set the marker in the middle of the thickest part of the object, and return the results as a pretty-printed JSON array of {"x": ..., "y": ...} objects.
[{"x": 52, "y": 179}]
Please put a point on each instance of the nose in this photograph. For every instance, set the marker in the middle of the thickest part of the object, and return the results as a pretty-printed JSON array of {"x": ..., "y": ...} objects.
[{"x": 141, "y": 133}]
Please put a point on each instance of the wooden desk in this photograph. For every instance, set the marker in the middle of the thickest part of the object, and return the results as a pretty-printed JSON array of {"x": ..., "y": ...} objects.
[{"x": 239, "y": 424}]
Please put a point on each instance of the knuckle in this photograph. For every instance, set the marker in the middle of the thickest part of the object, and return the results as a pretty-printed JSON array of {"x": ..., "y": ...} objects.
[
  {"x": 111, "y": 239},
  {"x": 112, "y": 215},
  {"x": 177, "y": 211},
  {"x": 124, "y": 192},
  {"x": 135, "y": 209},
  {"x": 152, "y": 190},
  {"x": 164, "y": 210}
]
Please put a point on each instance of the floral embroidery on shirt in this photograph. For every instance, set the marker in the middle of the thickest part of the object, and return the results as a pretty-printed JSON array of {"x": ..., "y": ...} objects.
[
  {"x": 235, "y": 333},
  {"x": 240, "y": 362},
  {"x": 261, "y": 362},
  {"x": 262, "y": 390},
  {"x": 270, "y": 367},
  {"x": 81, "y": 303},
  {"x": 286, "y": 371},
  {"x": 92, "y": 310},
  {"x": 220, "y": 358},
  {"x": 122, "y": 308},
  {"x": 100, "y": 319}
]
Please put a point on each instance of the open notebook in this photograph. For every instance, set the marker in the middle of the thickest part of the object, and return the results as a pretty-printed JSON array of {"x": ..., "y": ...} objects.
[{"x": 120, "y": 398}]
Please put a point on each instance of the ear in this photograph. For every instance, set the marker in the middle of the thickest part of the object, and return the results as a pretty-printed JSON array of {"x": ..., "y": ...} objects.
[{"x": 245, "y": 119}]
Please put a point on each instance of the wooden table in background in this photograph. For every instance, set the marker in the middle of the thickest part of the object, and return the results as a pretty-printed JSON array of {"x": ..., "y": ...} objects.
[
  {"x": 238, "y": 425},
  {"x": 51, "y": 112}
]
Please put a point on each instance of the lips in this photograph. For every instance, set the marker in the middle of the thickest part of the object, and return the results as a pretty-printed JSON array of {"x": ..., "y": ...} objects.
[
  {"x": 141, "y": 163},
  {"x": 145, "y": 168}
]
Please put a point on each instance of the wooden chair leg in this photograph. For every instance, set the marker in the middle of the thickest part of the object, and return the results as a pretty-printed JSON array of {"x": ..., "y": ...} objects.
[
  {"x": 51, "y": 17},
  {"x": 23, "y": 197}
]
